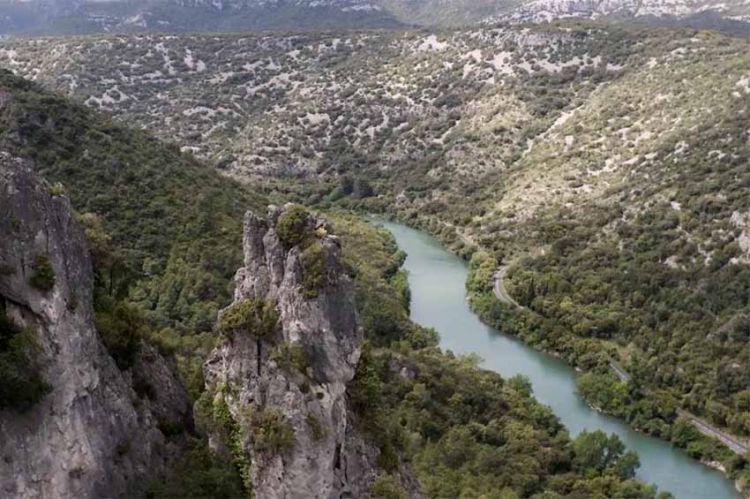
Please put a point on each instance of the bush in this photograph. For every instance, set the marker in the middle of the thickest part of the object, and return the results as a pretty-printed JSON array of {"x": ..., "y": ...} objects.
[
  {"x": 121, "y": 327},
  {"x": 200, "y": 475},
  {"x": 314, "y": 270},
  {"x": 365, "y": 390},
  {"x": 292, "y": 226},
  {"x": 57, "y": 189},
  {"x": 270, "y": 432},
  {"x": 387, "y": 487},
  {"x": 22, "y": 386},
  {"x": 317, "y": 429},
  {"x": 258, "y": 318},
  {"x": 43, "y": 277},
  {"x": 291, "y": 357}
]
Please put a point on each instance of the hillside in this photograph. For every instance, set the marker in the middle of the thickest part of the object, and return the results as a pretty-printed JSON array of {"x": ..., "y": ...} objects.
[
  {"x": 38, "y": 17},
  {"x": 607, "y": 165},
  {"x": 164, "y": 229}
]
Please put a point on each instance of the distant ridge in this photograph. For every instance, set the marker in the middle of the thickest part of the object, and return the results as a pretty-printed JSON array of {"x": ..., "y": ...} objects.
[{"x": 67, "y": 17}]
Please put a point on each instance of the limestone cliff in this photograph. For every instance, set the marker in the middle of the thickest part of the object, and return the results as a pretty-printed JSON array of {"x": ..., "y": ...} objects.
[
  {"x": 91, "y": 435},
  {"x": 277, "y": 382}
]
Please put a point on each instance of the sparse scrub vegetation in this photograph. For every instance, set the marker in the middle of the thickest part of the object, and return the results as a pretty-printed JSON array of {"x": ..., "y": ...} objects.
[{"x": 255, "y": 317}]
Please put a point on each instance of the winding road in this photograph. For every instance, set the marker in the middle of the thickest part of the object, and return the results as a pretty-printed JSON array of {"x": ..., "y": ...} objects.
[
  {"x": 499, "y": 287},
  {"x": 729, "y": 440},
  {"x": 621, "y": 373}
]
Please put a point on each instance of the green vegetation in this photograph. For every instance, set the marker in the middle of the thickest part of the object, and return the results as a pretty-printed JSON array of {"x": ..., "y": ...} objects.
[
  {"x": 292, "y": 226},
  {"x": 212, "y": 414},
  {"x": 467, "y": 431},
  {"x": 57, "y": 189},
  {"x": 164, "y": 230},
  {"x": 43, "y": 276},
  {"x": 293, "y": 229},
  {"x": 317, "y": 429},
  {"x": 199, "y": 475},
  {"x": 22, "y": 385},
  {"x": 374, "y": 261},
  {"x": 265, "y": 430},
  {"x": 122, "y": 328},
  {"x": 270, "y": 432},
  {"x": 599, "y": 454},
  {"x": 291, "y": 357},
  {"x": 470, "y": 433},
  {"x": 176, "y": 224},
  {"x": 314, "y": 270},
  {"x": 648, "y": 409},
  {"x": 255, "y": 317},
  {"x": 387, "y": 487}
]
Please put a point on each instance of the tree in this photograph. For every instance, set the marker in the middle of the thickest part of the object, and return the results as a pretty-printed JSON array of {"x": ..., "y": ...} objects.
[
  {"x": 362, "y": 189},
  {"x": 599, "y": 454}
]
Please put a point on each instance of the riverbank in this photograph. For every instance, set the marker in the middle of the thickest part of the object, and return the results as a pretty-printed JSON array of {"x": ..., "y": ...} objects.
[
  {"x": 437, "y": 280},
  {"x": 584, "y": 355},
  {"x": 645, "y": 412},
  {"x": 732, "y": 442}
]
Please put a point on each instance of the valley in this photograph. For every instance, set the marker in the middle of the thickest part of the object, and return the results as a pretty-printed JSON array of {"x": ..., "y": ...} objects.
[
  {"x": 592, "y": 175},
  {"x": 574, "y": 141},
  {"x": 110, "y": 264}
]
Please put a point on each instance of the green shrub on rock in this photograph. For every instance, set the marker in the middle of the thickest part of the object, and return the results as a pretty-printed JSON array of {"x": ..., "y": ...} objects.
[
  {"x": 271, "y": 432},
  {"x": 291, "y": 357},
  {"x": 256, "y": 317},
  {"x": 57, "y": 189},
  {"x": 43, "y": 277},
  {"x": 387, "y": 487},
  {"x": 201, "y": 474},
  {"x": 121, "y": 327},
  {"x": 22, "y": 386},
  {"x": 292, "y": 226},
  {"x": 314, "y": 271},
  {"x": 317, "y": 429}
]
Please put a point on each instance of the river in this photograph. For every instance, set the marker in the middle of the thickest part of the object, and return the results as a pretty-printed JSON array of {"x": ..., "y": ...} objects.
[{"x": 437, "y": 279}]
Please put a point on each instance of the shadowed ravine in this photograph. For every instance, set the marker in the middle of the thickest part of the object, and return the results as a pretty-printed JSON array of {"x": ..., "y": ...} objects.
[{"x": 437, "y": 280}]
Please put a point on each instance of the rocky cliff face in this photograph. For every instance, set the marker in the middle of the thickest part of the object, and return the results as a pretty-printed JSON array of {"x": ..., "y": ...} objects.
[
  {"x": 278, "y": 381},
  {"x": 90, "y": 435}
]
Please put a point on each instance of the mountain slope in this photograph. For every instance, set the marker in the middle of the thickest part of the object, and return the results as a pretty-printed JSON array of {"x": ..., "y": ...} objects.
[
  {"x": 303, "y": 406},
  {"x": 129, "y": 16},
  {"x": 169, "y": 216}
]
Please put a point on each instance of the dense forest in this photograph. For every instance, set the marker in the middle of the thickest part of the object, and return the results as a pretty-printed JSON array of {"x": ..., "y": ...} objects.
[{"x": 653, "y": 410}]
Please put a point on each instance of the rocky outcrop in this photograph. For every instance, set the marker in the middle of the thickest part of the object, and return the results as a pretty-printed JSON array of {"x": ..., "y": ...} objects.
[
  {"x": 277, "y": 383},
  {"x": 91, "y": 435}
]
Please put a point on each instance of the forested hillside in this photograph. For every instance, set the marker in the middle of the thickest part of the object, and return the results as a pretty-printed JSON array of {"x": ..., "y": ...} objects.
[
  {"x": 164, "y": 229},
  {"x": 172, "y": 221}
]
